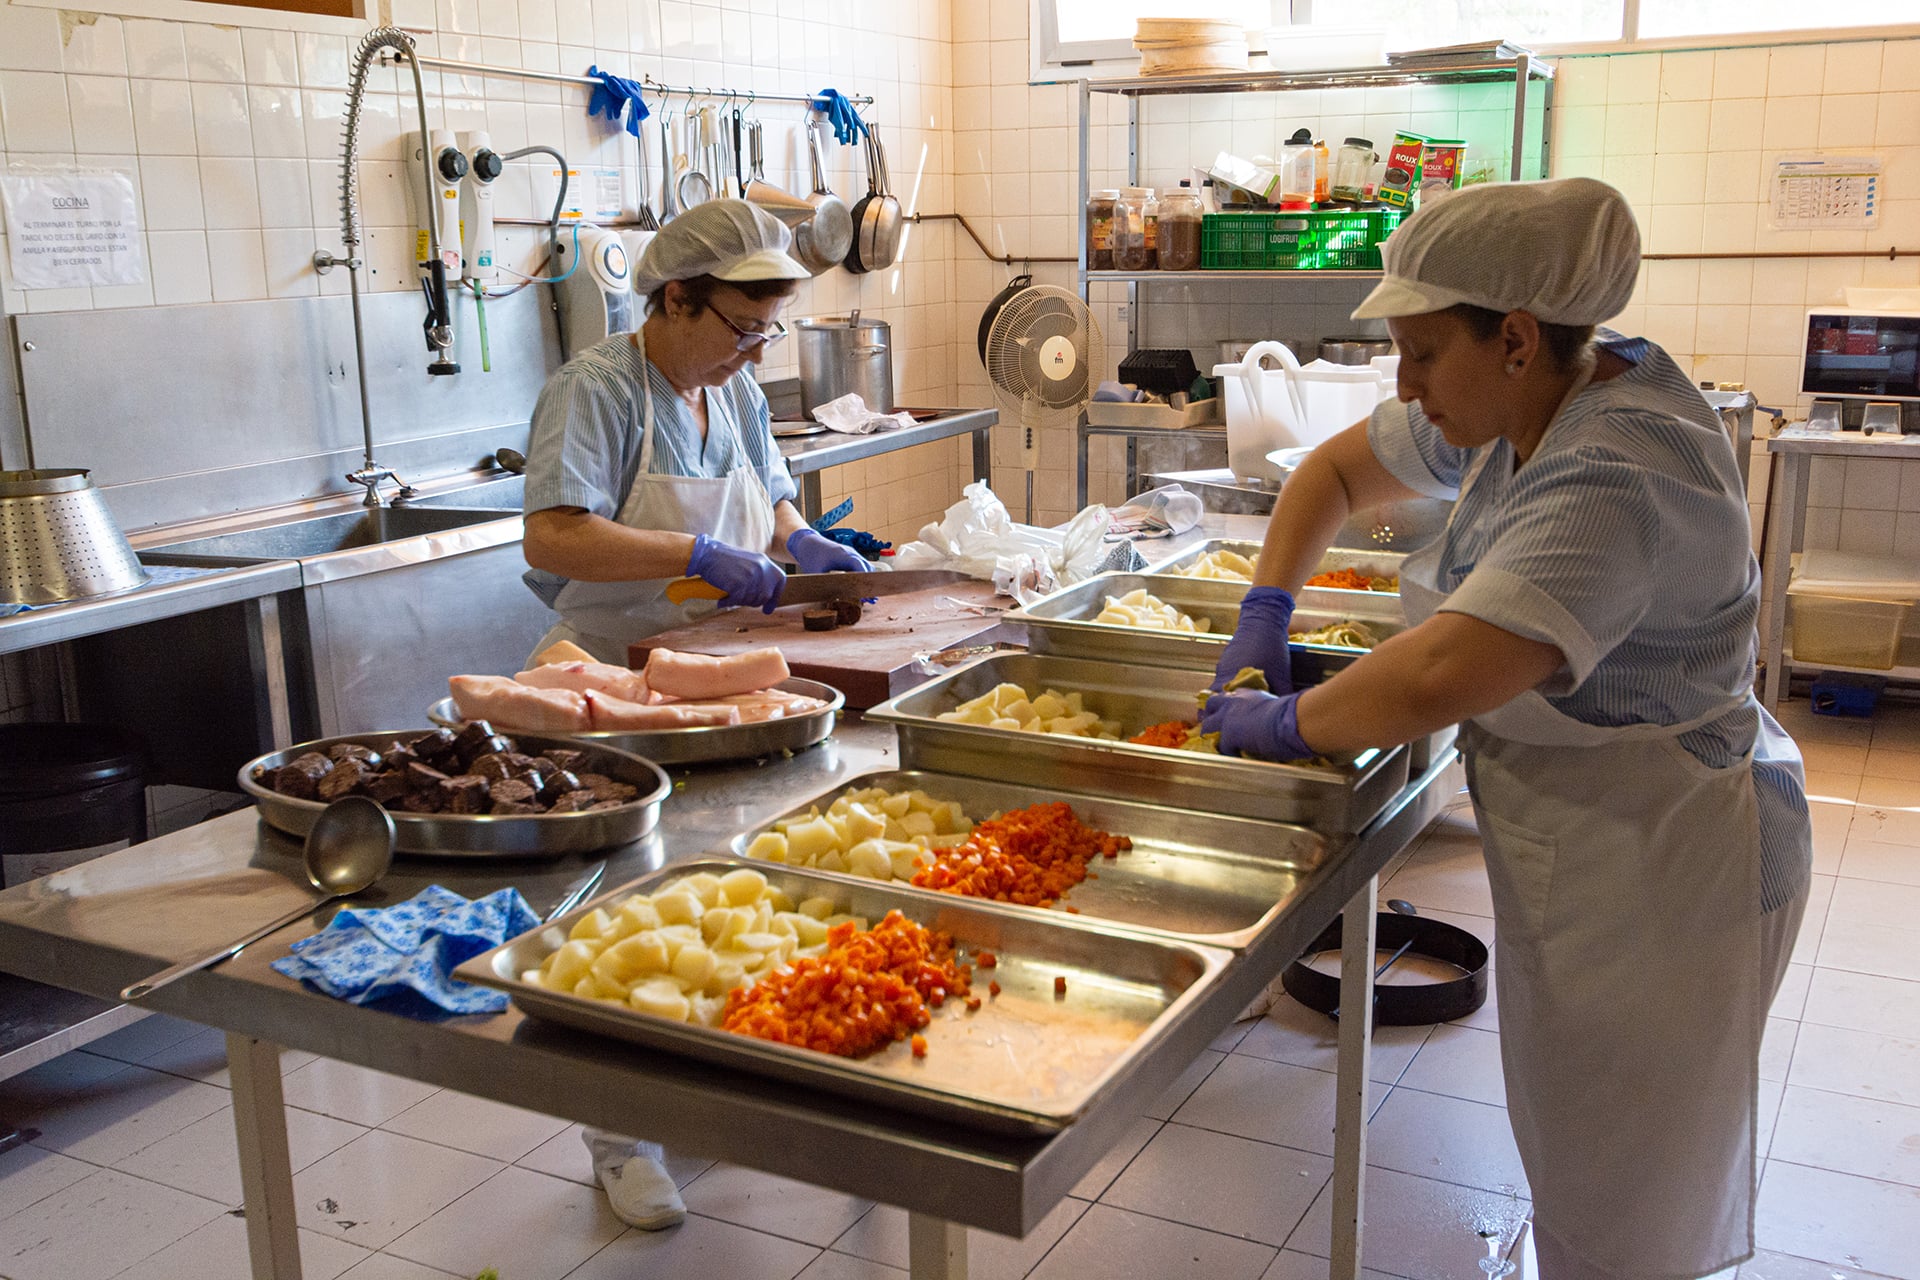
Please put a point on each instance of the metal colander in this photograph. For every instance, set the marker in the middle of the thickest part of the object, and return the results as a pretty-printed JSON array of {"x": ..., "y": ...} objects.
[{"x": 59, "y": 542}]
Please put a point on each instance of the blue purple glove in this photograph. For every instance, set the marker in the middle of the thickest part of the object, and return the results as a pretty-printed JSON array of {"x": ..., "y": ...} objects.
[
  {"x": 616, "y": 96},
  {"x": 817, "y": 553},
  {"x": 1251, "y": 723},
  {"x": 1260, "y": 640},
  {"x": 749, "y": 578}
]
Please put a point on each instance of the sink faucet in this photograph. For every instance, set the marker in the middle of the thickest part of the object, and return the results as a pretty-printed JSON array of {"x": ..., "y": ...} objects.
[{"x": 371, "y": 475}]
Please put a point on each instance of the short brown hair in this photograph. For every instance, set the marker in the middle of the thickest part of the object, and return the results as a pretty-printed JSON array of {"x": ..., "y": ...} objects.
[
  {"x": 700, "y": 290},
  {"x": 1563, "y": 342}
]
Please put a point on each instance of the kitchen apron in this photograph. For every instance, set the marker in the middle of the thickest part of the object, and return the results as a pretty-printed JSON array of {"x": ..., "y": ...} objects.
[
  {"x": 605, "y": 617},
  {"x": 1632, "y": 972}
]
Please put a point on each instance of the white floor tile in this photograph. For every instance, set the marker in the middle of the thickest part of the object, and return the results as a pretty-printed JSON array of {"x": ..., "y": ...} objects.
[
  {"x": 881, "y": 1237},
  {"x": 1862, "y": 1136},
  {"x": 218, "y": 1251},
  {"x": 1229, "y": 1040},
  {"x": 1447, "y": 873},
  {"x": 1291, "y": 1032},
  {"x": 1101, "y": 1176},
  {"x": 106, "y": 1115},
  {"x": 98, "y": 1227},
  {"x": 1767, "y": 1112},
  {"x": 1304, "y": 1266},
  {"x": 29, "y": 1174},
  {"x": 384, "y": 1266},
  {"x": 1862, "y": 1001},
  {"x": 1816, "y": 1213},
  {"x": 478, "y": 1125},
  {"x": 1873, "y": 927},
  {"x": 1461, "y": 1062},
  {"x": 381, "y": 1186},
  {"x": 1767, "y": 1265},
  {"x": 1266, "y": 1101},
  {"x": 201, "y": 1056},
  {"x": 1117, "y": 1245},
  {"x": 841, "y": 1266},
  {"x": 698, "y": 1249},
  {"x": 1888, "y": 825},
  {"x": 1885, "y": 762},
  {"x": 151, "y": 1034},
  {"x": 204, "y": 1159},
  {"x": 1807, "y": 727},
  {"x": 1827, "y": 786},
  {"x": 1889, "y": 793},
  {"x": 1791, "y": 1000},
  {"x": 1450, "y": 1139},
  {"x": 1776, "y": 1048},
  {"x": 777, "y": 1206},
  {"x": 1813, "y": 925},
  {"x": 1874, "y": 860},
  {"x": 1181, "y": 1089},
  {"x": 521, "y": 1223},
  {"x": 347, "y": 1092},
  {"x": 1831, "y": 825},
  {"x": 1220, "y": 1182},
  {"x": 1866, "y": 1064},
  {"x": 1834, "y": 757},
  {"x": 1418, "y": 1227}
]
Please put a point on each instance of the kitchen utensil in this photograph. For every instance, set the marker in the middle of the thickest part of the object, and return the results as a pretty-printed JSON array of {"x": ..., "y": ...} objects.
[
  {"x": 782, "y": 204},
  {"x": 1356, "y": 350},
  {"x": 511, "y": 460},
  {"x": 821, "y": 242},
  {"x": 669, "y": 202},
  {"x": 817, "y": 588},
  {"x": 349, "y": 846},
  {"x": 59, "y": 542},
  {"x": 578, "y": 892},
  {"x": 841, "y": 354},
  {"x": 694, "y": 186},
  {"x": 853, "y": 262},
  {"x": 879, "y": 221},
  {"x": 1413, "y": 1004},
  {"x": 644, "y": 217}
]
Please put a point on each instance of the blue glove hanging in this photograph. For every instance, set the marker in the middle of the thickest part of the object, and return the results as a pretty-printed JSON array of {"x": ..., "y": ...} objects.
[
  {"x": 848, "y": 127},
  {"x": 1251, "y": 723},
  {"x": 817, "y": 553},
  {"x": 749, "y": 578},
  {"x": 1260, "y": 640},
  {"x": 617, "y": 94}
]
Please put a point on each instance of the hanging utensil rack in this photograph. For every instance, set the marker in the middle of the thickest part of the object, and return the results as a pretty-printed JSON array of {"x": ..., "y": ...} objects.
[{"x": 390, "y": 57}]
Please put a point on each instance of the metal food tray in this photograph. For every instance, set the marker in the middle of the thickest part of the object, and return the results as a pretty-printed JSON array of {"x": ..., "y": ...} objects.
[
  {"x": 1340, "y": 798},
  {"x": 486, "y": 835},
  {"x": 707, "y": 742},
  {"x": 1026, "y": 1062},
  {"x": 1202, "y": 877},
  {"x": 1358, "y": 604},
  {"x": 1063, "y": 623}
]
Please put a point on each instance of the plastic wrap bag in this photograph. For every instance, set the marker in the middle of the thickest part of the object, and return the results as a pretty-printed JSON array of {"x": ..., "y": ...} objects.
[{"x": 978, "y": 538}]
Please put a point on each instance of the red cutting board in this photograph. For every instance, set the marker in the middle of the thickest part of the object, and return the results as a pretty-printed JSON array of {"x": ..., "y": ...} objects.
[{"x": 870, "y": 661}]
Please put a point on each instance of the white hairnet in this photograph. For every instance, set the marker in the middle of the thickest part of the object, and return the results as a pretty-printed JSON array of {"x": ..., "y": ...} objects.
[
  {"x": 730, "y": 239},
  {"x": 1567, "y": 251}
]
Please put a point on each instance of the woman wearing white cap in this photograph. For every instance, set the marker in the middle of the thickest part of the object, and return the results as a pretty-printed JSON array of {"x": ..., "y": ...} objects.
[
  {"x": 651, "y": 454},
  {"x": 1588, "y": 617}
]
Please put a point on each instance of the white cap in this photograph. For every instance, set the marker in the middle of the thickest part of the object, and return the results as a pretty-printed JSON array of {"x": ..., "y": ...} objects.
[
  {"x": 730, "y": 240},
  {"x": 1567, "y": 251}
]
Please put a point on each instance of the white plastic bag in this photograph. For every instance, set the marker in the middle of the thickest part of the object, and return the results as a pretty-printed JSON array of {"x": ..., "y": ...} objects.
[{"x": 978, "y": 538}]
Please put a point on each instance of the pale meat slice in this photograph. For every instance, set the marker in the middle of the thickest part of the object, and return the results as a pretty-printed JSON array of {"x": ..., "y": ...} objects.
[
  {"x": 587, "y": 677},
  {"x": 508, "y": 704},
  {"x": 697, "y": 676},
  {"x": 772, "y": 704},
  {"x": 611, "y": 713}
]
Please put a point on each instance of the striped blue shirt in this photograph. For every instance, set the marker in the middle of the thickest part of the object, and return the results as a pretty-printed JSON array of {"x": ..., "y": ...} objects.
[
  {"x": 585, "y": 447},
  {"x": 1623, "y": 542}
]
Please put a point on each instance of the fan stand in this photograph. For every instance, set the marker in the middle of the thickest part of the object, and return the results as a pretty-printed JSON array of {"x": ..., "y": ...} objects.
[{"x": 1031, "y": 420}]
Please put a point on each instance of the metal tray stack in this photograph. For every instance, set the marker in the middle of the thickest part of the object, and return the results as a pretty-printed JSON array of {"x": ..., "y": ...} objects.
[
  {"x": 1337, "y": 799},
  {"x": 1353, "y": 604},
  {"x": 1028, "y": 1061}
]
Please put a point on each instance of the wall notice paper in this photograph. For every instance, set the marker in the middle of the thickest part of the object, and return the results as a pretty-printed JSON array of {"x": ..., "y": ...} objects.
[
  {"x": 1826, "y": 193},
  {"x": 69, "y": 228}
]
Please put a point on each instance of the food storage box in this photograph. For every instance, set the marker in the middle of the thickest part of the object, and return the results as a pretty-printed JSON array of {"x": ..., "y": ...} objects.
[
  {"x": 1200, "y": 413},
  {"x": 1845, "y": 633}
]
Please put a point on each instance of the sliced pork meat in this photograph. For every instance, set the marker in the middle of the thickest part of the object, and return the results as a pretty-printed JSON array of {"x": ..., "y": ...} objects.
[
  {"x": 611, "y": 713},
  {"x": 511, "y": 705},
  {"x": 697, "y": 676},
  {"x": 587, "y": 677}
]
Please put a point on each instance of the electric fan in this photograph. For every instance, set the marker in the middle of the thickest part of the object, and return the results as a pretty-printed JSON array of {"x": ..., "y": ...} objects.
[{"x": 1043, "y": 356}]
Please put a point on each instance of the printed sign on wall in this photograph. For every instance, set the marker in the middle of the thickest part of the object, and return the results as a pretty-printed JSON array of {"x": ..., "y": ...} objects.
[{"x": 71, "y": 228}]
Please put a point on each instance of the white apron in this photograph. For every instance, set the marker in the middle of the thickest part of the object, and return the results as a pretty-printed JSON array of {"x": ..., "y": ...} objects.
[
  {"x": 605, "y": 617},
  {"x": 1632, "y": 971}
]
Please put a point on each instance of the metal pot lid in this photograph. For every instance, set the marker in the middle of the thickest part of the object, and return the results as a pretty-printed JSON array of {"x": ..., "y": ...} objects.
[{"x": 830, "y": 323}]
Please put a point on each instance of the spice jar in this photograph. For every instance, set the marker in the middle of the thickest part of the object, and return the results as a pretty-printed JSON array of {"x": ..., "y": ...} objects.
[
  {"x": 1179, "y": 242},
  {"x": 1353, "y": 172},
  {"x": 1100, "y": 230},
  {"x": 1135, "y": 215}
]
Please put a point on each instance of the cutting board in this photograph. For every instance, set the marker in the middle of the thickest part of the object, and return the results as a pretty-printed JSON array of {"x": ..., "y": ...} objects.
[{"x": 870, "y": 661}]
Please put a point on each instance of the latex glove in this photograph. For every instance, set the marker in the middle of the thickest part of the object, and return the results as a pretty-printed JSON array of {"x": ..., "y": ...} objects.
[
  {"x": 615, "y": 95},
  {"x": 848, "y": 127},
  {"x": 1251, "y": 723},
  {"x": 817, "y": 553},
  {"x": 747, "y": 577},
  {"x": 1260, "y": 640}
]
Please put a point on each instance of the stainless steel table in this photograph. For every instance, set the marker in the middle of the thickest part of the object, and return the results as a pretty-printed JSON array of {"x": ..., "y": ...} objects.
[
  {"x": 100, "y": 926},
  {"x": 808, "y": 456}
]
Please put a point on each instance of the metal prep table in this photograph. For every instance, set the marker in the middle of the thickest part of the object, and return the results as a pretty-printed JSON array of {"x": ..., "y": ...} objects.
[
  {"x": 1795, "y": 449},
  {"x": 103, "y": 925},
  {"x": 808, "y": 456}
]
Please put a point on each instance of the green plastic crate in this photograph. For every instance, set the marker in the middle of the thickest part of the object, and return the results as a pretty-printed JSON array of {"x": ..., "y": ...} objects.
[{"x": 1342, "y": 240}]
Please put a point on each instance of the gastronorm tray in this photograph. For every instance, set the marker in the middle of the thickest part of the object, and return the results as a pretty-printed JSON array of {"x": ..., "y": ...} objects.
[
  {"x": 708, "y": 742},
  {"x": 1063, "y": 623},
  {"x": 1203, "y": 877},
  {"x": 1025, "y": 1062},
  {"x": 1364, "y": 604},
  {"x": 1339, "y": 798},
  {"x": 486, "y": 835}
]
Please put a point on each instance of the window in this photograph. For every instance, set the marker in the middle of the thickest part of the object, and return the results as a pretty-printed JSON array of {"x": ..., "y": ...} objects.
[
  {"x": 1082, "y": 30},
  {"x": 1422, "y": 24},
  {"x": 1664, "y": 18}
]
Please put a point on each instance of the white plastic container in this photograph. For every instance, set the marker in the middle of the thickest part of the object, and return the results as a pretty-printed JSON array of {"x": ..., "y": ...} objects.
[
  {"x": 1842, "y": 632},
  {"x": 1317, "y": 48},
  {"x": 1289, "y": 405}
]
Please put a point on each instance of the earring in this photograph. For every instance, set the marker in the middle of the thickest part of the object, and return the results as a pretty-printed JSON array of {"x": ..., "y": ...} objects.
[{"x": 1514, "y": 367}]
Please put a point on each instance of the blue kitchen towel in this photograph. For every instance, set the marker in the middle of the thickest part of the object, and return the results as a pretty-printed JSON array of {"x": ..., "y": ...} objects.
[{"x": 401, "y": 957}]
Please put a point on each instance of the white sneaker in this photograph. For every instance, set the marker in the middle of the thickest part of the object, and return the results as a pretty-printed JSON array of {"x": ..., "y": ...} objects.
[{"x": 639, "y": 1189}]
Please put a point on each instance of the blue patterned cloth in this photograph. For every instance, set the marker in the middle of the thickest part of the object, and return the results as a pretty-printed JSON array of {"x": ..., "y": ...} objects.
[{"x": 400, "y": 957}]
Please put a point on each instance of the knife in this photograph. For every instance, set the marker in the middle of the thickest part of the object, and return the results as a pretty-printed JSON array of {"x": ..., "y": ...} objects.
[{"x": 818, "y": 588}]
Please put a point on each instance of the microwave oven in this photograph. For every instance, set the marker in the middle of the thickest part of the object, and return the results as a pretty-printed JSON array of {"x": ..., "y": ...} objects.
[{"x": 1855, "y": 354}]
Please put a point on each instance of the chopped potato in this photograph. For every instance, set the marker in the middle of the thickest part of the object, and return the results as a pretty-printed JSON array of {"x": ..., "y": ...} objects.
[
  {"x": 1050, "y": 712},
  {"x": 1228, "y": 565},
  {"x": 1138, "y": 608}
]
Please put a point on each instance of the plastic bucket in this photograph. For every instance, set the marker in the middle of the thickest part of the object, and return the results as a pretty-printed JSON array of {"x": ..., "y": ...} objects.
[{"x": 68, "y": 792}]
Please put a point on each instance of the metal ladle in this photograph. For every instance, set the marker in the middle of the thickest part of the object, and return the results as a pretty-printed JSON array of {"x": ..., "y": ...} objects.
[{"x": 349, "y": 846}]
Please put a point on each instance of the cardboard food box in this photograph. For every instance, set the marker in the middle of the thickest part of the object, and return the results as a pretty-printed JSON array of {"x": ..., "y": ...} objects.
[{"x": 1398, "y": 188}]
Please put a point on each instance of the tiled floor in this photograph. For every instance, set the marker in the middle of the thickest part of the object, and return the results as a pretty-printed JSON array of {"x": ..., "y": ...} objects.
[{"x": 134, "y": 1174}]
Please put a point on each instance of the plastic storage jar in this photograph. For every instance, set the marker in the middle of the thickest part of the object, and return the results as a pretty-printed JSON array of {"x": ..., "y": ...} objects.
[
  {"x": 1100, "y": 207},
  {"x": 1179, "y": 238},
  {"x": 1353, "y": 172},
  {"x": 1134, "y": 232},
  {"x": 1295, "y": 188}
]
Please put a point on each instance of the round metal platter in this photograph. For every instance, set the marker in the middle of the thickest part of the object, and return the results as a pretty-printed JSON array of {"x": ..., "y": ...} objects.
[
  {"x": 480, "y": 835},
  {"x": 711, "y": 742}
]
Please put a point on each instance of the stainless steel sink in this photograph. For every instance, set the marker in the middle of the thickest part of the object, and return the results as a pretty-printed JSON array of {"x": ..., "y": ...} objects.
[
  {"x": 503, "y": 494},
  {"x": 306, "y": 539}
]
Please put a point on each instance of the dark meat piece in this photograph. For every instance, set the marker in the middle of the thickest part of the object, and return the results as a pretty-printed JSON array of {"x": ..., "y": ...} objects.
[
  {"x": 344, "y": 778},
  {"x": 386, "y": 787},
  {"x": 510, "y": 807},
  {"x": 846, "y": 612},
  {"x": 465, "y": 794},
  {"x": 423, "y": 802},
  {"x": 492, "y": 766},
  {"x": 300, "y": 778},
  {"x": 598, "y": 805},
  {"x": 354, "y": 751},
  {"x": 574, "y": 802},
  {"x": 565, "y": 758},
  {"x": 511, "y": 791},
  {"x": 435, "y": 748},
  {"x": 519, "y": 764},
  {"x": 475, "y": 740},
  {"x": 557, "y": 784},
  {"x": 423, "y": 777},
  {"x": 617, "y": 792},
  {"x": 819, "y": 620},
  {"x": 398, "y": 756},
  {"x": 591, "y": 780}
]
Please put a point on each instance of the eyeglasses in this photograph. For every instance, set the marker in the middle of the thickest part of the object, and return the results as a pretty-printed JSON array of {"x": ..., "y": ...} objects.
[{"x": 748, "y": 338}]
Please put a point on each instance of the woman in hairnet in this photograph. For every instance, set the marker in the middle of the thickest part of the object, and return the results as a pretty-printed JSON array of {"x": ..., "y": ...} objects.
[
  {"x": 651, "y": 455},
  {"x": 1588, "y": 617}
]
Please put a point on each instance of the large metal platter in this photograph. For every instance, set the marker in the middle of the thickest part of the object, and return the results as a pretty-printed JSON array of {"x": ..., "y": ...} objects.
[
  {"x": 1363, "y": 604},
  {"x": 1338, "y": 799},
  {"x": 1203, "y": 877},
  {"x": 485, "y": 835},
  {"x": 1063, "y": 623},
  {"x": 1026, "y": 1062},
  {"x": 711, "y": 742}
]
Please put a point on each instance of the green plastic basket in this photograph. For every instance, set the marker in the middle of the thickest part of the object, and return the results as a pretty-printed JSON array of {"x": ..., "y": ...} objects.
[{"x": 1340, "y": 240}]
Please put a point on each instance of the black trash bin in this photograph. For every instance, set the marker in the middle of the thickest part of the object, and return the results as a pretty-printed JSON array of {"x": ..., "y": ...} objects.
[{"x": 68, "y": 792}]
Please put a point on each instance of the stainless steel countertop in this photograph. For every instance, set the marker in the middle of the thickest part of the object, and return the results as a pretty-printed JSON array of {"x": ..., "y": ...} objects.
[
  {"x": 1850, "y": 444},
  {"x": 806, "y": 454},
  {"x": 96, "y": 927},
  {"x": 148, "y": 604}
]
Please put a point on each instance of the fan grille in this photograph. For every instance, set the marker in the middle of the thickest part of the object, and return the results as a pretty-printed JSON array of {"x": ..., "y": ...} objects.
[{"x": 1044, "y": 353}]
